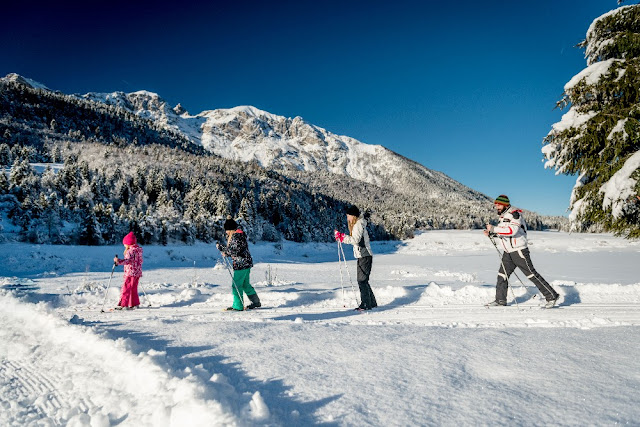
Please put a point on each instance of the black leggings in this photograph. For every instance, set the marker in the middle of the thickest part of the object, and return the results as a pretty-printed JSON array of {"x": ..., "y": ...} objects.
[
  {"x": 368, "y": 300},
  {"x": 522, "y": 260}
]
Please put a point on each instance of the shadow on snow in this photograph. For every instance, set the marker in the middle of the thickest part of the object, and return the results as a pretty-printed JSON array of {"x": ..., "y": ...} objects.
[{"x": 237, "y": 393}]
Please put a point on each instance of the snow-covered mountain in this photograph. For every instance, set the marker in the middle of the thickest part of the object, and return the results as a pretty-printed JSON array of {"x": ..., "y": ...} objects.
[
  {"x": 247, "y": 134},
  {"x": 149, "y": 105}
]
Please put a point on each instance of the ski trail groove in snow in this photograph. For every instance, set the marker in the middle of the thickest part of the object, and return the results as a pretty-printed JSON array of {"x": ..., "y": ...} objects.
[
  {"x": 51, "y": 369},
  {"x": 29, "y": 381}
]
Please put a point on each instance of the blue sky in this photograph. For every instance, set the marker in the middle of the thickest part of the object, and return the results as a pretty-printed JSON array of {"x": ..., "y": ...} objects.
[{"x": 467, "y": 88}]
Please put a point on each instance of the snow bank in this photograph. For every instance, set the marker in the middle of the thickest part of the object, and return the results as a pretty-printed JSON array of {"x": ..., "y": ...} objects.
[{"x": 103, "y": 382}]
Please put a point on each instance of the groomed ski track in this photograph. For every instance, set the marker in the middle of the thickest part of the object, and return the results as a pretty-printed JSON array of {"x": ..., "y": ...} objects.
[{"x": 452, "y": 315}]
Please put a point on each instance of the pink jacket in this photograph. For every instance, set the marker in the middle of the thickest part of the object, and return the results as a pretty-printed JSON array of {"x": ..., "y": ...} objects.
[{"x": 132, "y": 261}]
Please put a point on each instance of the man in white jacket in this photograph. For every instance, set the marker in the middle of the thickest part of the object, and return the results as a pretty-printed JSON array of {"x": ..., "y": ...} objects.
[{"x": 512, "y": 232}]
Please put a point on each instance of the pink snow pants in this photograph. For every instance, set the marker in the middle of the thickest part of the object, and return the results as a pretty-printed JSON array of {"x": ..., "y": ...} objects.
[{"x": 129, "y": 295}]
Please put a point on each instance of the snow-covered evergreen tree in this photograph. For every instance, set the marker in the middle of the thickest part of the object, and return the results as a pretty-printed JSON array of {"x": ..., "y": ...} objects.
[
  {"x": 5, "y": 155},
  {"x": 4, "y": 183},
  {"x": 88, "y": 232},
  {"x": 598, "y": 139}
]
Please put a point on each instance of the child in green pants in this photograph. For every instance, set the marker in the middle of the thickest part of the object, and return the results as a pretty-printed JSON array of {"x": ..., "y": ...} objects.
[{"x": 238, "y": 249}]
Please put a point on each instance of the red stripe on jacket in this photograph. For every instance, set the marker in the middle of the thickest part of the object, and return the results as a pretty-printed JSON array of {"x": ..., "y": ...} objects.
[{"x": 511, "y": 232}]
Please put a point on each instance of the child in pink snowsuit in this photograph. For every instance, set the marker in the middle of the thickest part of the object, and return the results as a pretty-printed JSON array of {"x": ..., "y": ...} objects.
[{"x": 132, "y": 272}]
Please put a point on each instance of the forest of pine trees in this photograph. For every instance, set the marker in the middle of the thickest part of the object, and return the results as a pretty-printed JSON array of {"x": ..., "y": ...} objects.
[{"x": 181, "y": 197}]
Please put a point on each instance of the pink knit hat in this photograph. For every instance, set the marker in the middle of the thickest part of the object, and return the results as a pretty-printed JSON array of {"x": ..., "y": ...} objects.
[{"x": 129, "y": 239}]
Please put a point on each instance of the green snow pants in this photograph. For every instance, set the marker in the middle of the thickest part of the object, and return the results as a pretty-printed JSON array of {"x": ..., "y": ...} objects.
[{"x": 241, "y": 285}]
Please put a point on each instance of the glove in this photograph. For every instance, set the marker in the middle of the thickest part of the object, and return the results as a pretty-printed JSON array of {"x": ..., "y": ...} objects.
[
  {"x": 339, "y": 236},
  {"x": 220, "y": 249}
]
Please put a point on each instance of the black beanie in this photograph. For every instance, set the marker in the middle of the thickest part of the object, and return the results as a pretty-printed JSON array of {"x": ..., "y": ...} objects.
[
  {"x": 230, "y": 224},
  {"x": 353, "y": 210}
]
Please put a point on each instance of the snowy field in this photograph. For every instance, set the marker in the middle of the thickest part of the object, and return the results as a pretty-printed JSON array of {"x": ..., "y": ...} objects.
[{"x": 430, "y": 354}]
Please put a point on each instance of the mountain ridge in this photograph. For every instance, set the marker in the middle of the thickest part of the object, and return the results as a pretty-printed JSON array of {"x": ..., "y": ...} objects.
[{"x": 247, "y": 133}]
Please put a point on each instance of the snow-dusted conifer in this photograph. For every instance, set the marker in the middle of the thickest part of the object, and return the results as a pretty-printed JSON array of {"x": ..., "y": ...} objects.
[
  {"x": 4, "y": 183},
  {"x": 597, "y": 138},
  {"x": 47, "y": 227},
  {"x": 21, "y": 178},
  {"x": 5, "y": 155}
]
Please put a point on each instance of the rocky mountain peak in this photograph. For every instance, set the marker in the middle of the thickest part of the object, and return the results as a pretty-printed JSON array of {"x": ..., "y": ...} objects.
[{"x": 13, "y": 77}]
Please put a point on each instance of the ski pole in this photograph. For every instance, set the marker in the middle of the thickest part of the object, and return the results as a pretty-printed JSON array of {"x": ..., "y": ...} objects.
[
  {"x": 193, "y": 281},
  {"x": 344, "y": 304},
  {"x": 233, "y": 282},
  {"x": 109, "y": 285},
  {"x": 346, "y": 267},
  {"x": 145, "y": 294},
  {"x": 504, "y": 269}
]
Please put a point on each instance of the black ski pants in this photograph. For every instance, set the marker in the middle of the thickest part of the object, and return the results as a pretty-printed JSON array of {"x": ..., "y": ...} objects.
[
  {"x": 522, "y": 260},
  {"x": 368, "y": 300}
]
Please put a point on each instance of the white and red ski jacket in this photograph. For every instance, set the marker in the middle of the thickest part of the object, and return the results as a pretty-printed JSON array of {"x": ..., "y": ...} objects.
[{"x": 512, "y": 230}]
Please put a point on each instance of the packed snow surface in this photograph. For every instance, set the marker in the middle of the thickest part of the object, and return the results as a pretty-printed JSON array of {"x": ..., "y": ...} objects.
[{"x": 430, "y": 354}]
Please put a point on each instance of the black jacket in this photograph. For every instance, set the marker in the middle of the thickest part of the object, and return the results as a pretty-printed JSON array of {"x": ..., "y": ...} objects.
[{"x": 238, "y": 250}]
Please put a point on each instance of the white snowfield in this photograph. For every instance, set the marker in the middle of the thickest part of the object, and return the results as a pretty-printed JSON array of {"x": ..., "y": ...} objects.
[{"x": 430, "y": 354}]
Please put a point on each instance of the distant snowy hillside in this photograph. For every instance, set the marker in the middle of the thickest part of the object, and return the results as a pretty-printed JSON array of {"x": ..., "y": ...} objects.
[
  {"x": 249, "y": 134},
  {"x": 149, "y": 105}
]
